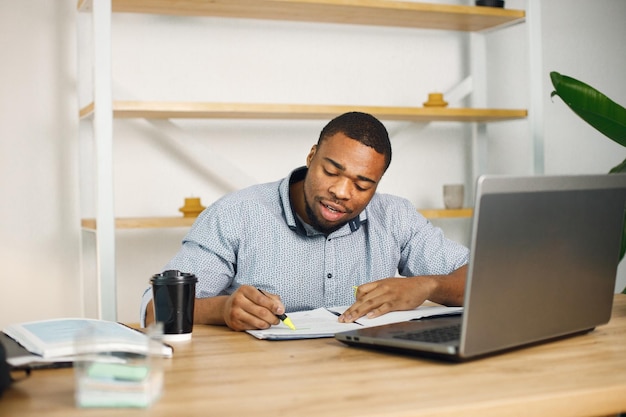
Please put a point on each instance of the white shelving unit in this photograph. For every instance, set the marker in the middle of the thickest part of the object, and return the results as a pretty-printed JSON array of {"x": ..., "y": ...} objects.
[{"x": 98, "y": 109}]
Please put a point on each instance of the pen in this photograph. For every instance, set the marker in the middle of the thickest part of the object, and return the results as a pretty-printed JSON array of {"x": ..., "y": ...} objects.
[
  {"x": 338, "y": 314},
  {"x": 438, "y": 316},
  {"x": 283, "y": 317}
]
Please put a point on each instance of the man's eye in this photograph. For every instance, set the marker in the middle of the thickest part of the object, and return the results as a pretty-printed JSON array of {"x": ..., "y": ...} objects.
[{"x": 330, "y": 174}]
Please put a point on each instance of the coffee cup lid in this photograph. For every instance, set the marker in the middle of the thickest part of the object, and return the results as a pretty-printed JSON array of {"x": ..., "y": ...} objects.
[{"x": 173, "y": 276}]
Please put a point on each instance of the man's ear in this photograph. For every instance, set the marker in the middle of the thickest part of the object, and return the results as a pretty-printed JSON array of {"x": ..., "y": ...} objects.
[{"x": 309, "y": 158}]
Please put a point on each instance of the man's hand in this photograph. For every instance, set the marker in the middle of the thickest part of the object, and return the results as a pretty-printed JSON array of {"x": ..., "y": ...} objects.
[
  {"x": 248, "y": 308},
  {"x": 245, "y": 309},
  {"x": 392, "y": 294}
]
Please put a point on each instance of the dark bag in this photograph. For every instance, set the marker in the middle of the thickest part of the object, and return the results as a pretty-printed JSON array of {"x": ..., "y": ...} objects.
[{"x": 5, "y": 377}]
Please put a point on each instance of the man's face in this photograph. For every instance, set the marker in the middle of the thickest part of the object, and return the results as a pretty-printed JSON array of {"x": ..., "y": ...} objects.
[{"x": 342, "y": 179}]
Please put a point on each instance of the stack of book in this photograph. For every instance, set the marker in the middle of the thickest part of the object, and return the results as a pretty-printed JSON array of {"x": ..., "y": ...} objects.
[{"x": 115, "y": 365}]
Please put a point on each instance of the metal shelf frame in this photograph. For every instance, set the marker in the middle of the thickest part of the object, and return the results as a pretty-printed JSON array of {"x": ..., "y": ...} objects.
[{"x": 98, "y": 108}]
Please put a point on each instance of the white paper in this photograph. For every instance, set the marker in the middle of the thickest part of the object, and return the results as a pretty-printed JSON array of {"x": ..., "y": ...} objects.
[{"x": 321, "y": 322}]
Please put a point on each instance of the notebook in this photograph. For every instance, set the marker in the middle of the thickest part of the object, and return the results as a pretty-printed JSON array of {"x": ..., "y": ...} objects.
[{"x": 543, "y": 263}]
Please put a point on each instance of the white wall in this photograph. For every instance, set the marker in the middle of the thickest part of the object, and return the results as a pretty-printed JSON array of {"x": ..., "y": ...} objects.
[
  {"x": 572, "y": 145},
  {"x": 588, "y": 45},
  {"x": 157, "y": 57},
  {"x": 38, "y": 214},
  {"x": 262, "y": 61}
]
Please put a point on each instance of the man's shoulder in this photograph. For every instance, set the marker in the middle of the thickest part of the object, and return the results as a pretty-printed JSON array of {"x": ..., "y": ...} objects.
[
  {"x": 389, "y": 202},
  {"x": 392, "y": 210},
  {"x": 258, "y": 193}
]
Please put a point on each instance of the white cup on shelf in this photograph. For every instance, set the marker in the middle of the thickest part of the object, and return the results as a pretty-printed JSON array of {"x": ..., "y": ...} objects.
[{"x": 453, "y": 195}]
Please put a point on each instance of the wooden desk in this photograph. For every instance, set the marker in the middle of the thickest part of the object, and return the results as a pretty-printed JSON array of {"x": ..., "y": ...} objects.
[{"x": 225, "y": 373}]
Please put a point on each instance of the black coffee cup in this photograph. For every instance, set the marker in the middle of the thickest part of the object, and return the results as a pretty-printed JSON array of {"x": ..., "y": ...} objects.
[{"x": 173, "y": 294}]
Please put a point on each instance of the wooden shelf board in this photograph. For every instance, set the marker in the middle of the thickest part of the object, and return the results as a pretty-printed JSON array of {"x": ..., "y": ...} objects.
[
  {"x": 359, "y": 12},
  {"x": 447, "y": 213},
  {"x": 143, "y": 222},
  {"x": 167, "y": 222},
  {"x": 198, "y": 110}
]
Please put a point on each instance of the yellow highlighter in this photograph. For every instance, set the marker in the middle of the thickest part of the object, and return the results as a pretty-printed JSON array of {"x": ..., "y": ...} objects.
[
  {"x": 286, "y": 320},
  {"x": 282, "y": 317},
  {"x": 355, "y": 289}
]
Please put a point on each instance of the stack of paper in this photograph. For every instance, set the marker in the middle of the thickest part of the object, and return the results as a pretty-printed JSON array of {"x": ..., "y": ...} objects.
[
  {"x": 103, "y": 384},
  {"x": 323, "y": 322}
]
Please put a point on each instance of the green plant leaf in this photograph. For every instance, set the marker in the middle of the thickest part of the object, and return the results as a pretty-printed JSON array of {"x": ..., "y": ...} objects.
[
  {"x": 595, "y": 108},
  {"x": 619, "y": 169}
]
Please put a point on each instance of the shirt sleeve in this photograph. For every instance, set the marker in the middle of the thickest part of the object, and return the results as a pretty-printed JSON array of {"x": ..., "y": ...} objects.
[
  {"x": 210, "y": 249},
  {"x": 425, "y": 250}
]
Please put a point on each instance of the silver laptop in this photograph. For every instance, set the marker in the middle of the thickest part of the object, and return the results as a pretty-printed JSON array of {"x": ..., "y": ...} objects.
[{"x": 544, "y": 255}]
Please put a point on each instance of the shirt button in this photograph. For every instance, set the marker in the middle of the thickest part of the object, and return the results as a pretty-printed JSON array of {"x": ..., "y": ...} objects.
[{"x": 329, "y": 275}]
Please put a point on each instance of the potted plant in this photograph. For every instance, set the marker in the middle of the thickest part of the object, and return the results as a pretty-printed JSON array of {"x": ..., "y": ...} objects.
[{"x": 605, "y": 115}]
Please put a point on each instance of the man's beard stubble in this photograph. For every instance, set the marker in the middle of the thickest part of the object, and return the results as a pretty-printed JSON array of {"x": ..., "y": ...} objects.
[{"x": 314, "y": 221}]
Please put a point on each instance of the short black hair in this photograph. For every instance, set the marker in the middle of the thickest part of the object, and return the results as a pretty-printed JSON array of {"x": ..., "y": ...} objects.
[{"x": 362, "y": 127}]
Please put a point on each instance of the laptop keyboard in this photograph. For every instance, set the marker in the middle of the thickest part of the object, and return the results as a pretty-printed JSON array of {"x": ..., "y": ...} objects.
[{"x": 442, "y": 334}]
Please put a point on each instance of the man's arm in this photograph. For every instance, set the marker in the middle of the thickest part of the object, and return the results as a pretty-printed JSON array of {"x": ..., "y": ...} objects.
[
  {"x": 247, "y": 308},
  {"x": 392, "y": 294}
]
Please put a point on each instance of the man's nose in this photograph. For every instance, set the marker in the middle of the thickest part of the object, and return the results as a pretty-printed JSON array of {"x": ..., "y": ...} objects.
[{"x": 341, "y": 188}]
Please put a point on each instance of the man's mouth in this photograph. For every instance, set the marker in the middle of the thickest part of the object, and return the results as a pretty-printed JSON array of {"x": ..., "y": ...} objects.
[{"x": 331, "y": 212}]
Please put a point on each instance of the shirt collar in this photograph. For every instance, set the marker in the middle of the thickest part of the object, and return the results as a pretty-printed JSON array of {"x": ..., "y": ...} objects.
[{"x": 293, "y": 220}]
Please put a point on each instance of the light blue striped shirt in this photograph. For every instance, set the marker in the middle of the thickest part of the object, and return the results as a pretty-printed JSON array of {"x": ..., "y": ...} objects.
[{"x": 253, "y": 237}]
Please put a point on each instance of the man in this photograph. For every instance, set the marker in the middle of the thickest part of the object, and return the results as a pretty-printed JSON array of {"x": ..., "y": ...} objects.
[{"x": 308, "y": 240}]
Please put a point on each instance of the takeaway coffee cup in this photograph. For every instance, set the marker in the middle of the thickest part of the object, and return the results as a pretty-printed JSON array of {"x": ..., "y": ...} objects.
[{"x": 174, "y": 293}]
